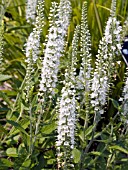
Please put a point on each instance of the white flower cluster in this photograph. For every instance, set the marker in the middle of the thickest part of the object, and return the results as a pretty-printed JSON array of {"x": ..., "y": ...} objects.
[
  {"x": 75, "y": 44},
  {"x": 66, "y": 123},
  {"x": 51, "y": 61},
  {"x": 113, "y": 8},
  {"x": 124, "y": 99},
  {"x": 32, "y": 54},
  {"x": 105, "y": 63},
  {"x": 64, "y": 12},
  {"x": 31, "y": 10},
  {"x": 67, "y": 105},
  {"x": 85, "y": 43},
  {"x": 100, "y": 81},
  {"x": 112, "y": 33},
  {"x": 32, "y": 46},
  {"x": 124, "y": 29},
  {"x": 125, "y": 91},
  {"x": 113, "y": 41},
  {"x": 1, "y": 44},
  {"x": 55, "y": 46},
  {"x": 33, "y": 42},
  {"x": 99, "y": 89}
]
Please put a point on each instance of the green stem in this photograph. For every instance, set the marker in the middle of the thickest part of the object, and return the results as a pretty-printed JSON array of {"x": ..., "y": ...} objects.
[
  {"x": 41, "y": 111},
  {"x": 31, "y": 143},
  {"x": 37, "y": 126},
  {"x": 95, "y": 122}
]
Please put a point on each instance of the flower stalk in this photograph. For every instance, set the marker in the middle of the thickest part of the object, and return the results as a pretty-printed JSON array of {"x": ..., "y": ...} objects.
[
  {"x": 54, "y": 47},
  {"x": 67, "y": 112},
  {"x": 32, "y": 47},
  {"x": 1, "y": 45},
  {"x": 105, "y": 62},
  {"x": 31, "y": 10}
]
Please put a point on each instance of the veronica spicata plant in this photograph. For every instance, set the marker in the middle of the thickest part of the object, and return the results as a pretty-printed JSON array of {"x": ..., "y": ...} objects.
[
  {"x": 105, "y": 62},
  {"x": 67, "y": 112},
  {"x": 54, "y": 47},
  {"x": 85, "y": 44},
  {"x": 33, "y": 46},
  {"x": 124, "y": 100},
  {"x": 84, "y": 77},
  {"x": 1, "y": 44}
]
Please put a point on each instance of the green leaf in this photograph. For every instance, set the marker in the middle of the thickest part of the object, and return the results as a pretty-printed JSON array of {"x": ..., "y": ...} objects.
[
  {"x": 124, "y": 160},
  {"x": 76, "y": 155},
  {"x": 86, "y": 134},
  {"x": 5, "y": 98},
  {"x": 115, "y": 103},
  {"x": 47, "y": 129},
  {"x": 12, "y": 152},
  {"x": 10, "y": 92},
  {"x": 81, "y": 135},
  {"x": 2, "y": 130},
  {"x": 18, "y": 27},
  {"x": 26, "y": 141},
  {"x": 17, "y": 126},
  {"x": 116, "y": 147},
  {"x": 96, "y": 153},
  {"x": 24, "y": 123},
  {"x": 5, "y": 163},
  {"x": 89, "y": 130},
  {"x": 4, "y": 77},
  {"x": 26, "y": 163}
]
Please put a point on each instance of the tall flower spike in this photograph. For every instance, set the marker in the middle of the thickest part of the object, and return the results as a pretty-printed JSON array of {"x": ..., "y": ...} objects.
[
  {"x": 64, "y": 12},
  {"x": 105, "y": 63},
  {"x": 31, "y": 10},
  {"x": 124, "y": 30},
  {"x": 75, "y": 44},
  {"x": 1, "y": 45},
  {"x": 33, "y": 44},
  {"x": 85, "y": 74},
  {"x": 54, "y": 47},
  {"x": 67, "y": 112},
  {"x": 85, "y": 44},
  {"x": 124, "y": 100},
  {"x": 113, "y": 8}
]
